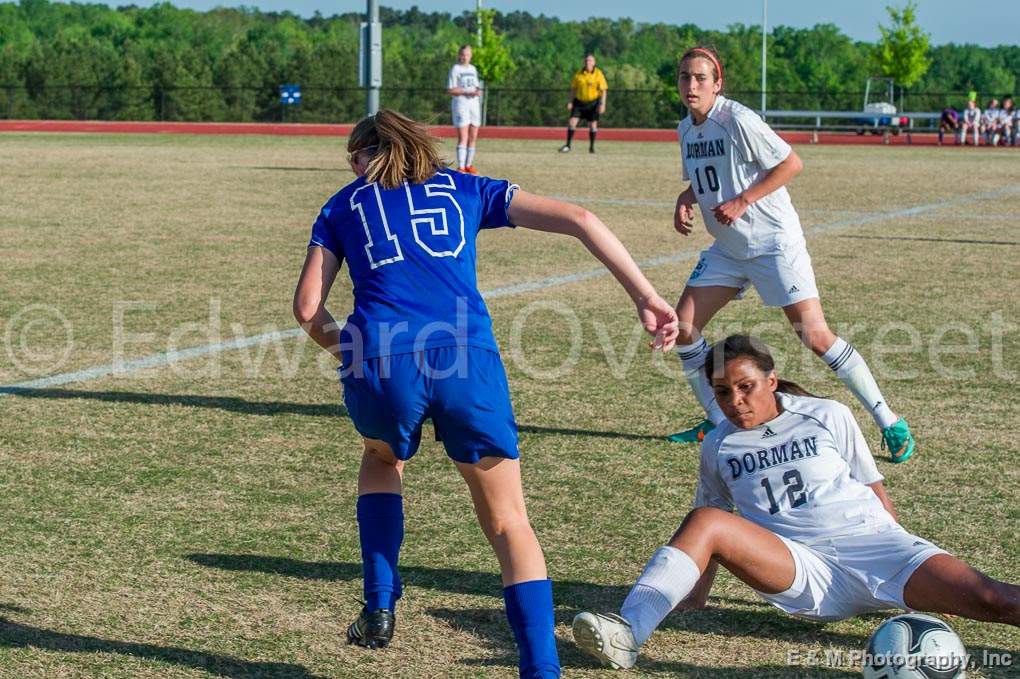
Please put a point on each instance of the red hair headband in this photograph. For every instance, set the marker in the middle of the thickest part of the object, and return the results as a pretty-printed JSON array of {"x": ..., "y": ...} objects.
[{"x": 698, "y": 51}]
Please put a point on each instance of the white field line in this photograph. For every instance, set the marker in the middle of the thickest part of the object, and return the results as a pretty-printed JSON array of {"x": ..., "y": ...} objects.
[{"x": 168, "y": 358}]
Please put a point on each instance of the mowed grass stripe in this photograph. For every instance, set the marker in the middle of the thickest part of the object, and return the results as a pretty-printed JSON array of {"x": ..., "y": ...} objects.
[{"x": 169, "y": 358}]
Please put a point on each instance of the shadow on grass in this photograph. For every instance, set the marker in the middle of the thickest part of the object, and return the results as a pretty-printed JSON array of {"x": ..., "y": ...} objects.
[
  {"x": 754, "y": 618},
  {"x": 17, "y": 635},
  {"x": 748, "y": 619},
  {"x": 490, "y": 625},
  {"x": 234, "y": 404},
  {"x": 228, "y": 403}
]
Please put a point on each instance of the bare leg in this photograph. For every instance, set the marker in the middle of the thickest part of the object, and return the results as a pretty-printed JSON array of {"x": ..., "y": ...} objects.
[
  {"x": 683, "y": 571},
  {"x": 472, "y": 136},
  {"x": 809, "y": 323},
  {"x": 945, "y": 584},
  {"x": 381, "y": 471},
  {"x": 696, "y": 308},
  {"x": 495, "y": 485},
  {"x": 753, "y": 554}
]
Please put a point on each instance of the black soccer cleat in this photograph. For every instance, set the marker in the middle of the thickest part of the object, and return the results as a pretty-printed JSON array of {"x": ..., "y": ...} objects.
[{"x": 372, "y": 629}]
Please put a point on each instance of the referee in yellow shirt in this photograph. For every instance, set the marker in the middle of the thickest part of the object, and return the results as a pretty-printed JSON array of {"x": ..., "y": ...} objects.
[{"x": 589, "y": 89}]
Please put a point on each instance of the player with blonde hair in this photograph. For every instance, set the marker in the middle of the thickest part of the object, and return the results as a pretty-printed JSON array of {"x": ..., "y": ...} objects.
[
  {"x": 738, "y": 168},
  {"x": 465, "y": 89},
  {"x": 419, "y": 345}
]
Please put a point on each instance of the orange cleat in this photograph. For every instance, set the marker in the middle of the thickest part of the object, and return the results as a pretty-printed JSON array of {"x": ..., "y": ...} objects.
[{"x": 470, "y": 169}]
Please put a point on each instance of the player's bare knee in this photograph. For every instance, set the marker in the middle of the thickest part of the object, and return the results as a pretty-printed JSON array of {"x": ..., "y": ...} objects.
[
  {"x": 1002, "y": 601},
  {"x": 700, "y": 523},
  {"x": 502, "y": 524},
  {"x": 377, "y": 451}
]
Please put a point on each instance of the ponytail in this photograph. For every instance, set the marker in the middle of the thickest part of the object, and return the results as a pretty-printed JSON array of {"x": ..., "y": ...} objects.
[
  {"x": 404, "y": 149},
  {"x": 792, "y": 388},
  {"x": 752, "y": 348}
]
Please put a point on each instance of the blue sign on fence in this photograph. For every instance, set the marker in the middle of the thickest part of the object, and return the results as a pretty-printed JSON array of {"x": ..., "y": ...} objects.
[{"x": 290, "y": 95}]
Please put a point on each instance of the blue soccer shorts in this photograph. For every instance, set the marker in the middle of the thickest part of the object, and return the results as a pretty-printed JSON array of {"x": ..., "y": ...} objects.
[{"x": 462, "y": 389}]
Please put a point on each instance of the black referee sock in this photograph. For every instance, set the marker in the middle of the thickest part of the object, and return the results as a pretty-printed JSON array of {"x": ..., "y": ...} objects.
[
  {"x": 591, "y": 140},
  {"x": 570, "y": 136}
]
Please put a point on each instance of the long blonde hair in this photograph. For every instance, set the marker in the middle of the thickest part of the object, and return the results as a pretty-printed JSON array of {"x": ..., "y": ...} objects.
[{"x": 402, "y": 149}]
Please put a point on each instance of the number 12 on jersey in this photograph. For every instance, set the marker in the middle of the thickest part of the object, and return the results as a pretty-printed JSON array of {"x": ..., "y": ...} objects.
[{"x": 794, "y": 484}]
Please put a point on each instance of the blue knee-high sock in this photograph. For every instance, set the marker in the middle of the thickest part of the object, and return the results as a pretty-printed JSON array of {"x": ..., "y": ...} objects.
[
  {"x": 529, "y": 608},
  {"x": 381, "y": 528}
]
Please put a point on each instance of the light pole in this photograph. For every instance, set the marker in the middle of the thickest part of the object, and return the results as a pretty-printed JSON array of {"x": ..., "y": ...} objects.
[
  {"x": 371, "y": 57},
  {"x": 764, "y": 41},
  {"x": 478, "y": 19}
]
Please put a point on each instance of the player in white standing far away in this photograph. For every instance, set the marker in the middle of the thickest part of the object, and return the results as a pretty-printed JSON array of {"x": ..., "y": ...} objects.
[
  {"x": 738, "y": 168},
  {"x": 970, "y": 120},
  {"x": 816, "y": 534},
  {"x": 465, "y": 88}
]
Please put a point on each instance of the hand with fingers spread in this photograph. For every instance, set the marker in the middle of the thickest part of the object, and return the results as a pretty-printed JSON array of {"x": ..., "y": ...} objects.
[
  {"x": 660, "y": 320},
  {"x": 683, "y": 216},
  {"x": 731, "y": 210}
]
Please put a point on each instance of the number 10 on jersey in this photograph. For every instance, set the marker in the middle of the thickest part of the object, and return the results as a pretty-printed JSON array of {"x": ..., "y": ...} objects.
[{"x": 711, "y": 178}]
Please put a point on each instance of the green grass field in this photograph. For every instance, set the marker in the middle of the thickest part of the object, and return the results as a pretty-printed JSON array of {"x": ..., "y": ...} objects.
[{"x": 197, "y": 520}]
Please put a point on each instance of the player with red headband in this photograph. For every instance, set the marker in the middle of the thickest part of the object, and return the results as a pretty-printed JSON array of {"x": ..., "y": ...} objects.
[{"x": 738, "y": 168}]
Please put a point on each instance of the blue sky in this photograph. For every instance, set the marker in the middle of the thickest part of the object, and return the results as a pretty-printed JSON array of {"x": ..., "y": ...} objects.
[{"x": 981, "y": 22}]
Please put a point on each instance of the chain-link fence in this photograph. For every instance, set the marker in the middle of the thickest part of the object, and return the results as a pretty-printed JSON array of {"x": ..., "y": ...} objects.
[{"x": 649, "y": 108}]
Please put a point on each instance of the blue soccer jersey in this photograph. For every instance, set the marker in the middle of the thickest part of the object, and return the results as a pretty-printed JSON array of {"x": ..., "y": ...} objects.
[{"x": 411, "y": 256}]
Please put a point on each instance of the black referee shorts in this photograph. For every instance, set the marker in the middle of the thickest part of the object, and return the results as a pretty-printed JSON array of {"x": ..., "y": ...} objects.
[{"x": 585, "y": 110}]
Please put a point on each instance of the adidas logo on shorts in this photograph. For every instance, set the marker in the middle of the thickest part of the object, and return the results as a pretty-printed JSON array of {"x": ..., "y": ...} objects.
[
  {"x": 768, "y": 433},
  {"x": 793, "y": 289}
]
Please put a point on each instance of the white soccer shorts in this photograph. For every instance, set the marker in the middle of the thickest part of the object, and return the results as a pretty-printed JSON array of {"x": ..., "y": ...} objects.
[
  {"x": 467, "y": 113},
  {"x": 839, "y": 578},
  {"x": 781, "y": 279}
]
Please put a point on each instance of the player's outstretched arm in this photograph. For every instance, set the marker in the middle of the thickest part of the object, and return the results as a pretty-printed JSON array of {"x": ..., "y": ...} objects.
[
  {"x": 545, "y": 214},
  {"x": 317, "y": 276},
  {"x": 779, "y": 176}
]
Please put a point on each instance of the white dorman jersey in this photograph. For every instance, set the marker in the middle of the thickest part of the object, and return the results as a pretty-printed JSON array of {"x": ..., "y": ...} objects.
[
  {"x": 971, "y": 116},
  {"x": 465, "y": 77},
  {"x": 723, "y": 157},
  {"x": 802, "y": 475},
  {"x": 990, "y": 116}
]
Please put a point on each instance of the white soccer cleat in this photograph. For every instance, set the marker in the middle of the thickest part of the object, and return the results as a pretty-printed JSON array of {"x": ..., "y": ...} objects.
[{"x": 606, "y": 637}]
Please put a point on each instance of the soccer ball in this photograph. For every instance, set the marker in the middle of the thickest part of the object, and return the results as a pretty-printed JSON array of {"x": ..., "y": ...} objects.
[{"x": 915, "y": 646}]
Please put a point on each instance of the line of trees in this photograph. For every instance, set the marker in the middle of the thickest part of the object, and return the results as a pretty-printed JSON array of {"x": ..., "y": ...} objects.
[{"x": 62, "y": 60}]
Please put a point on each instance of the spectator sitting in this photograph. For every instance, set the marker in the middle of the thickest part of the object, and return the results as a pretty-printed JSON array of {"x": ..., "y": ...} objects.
[
  {"x": 1006, "y": 120},
  {"x": 950, "y": 122},
  {"x": 971, "y": 121},
  {"x": 990, "y": 121}
]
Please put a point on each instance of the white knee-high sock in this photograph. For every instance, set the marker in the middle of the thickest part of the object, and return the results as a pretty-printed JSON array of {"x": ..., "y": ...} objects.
[
  {"x": 461, "y": 156},
  {"x": 470, "y": 156},
  {"x": 666, "y": 581},
  {"x": 852, "y": 371},
  {"x": 693, "y": 358}
]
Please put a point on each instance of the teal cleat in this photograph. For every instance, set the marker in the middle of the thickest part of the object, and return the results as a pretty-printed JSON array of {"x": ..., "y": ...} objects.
[
  {"x": 695, "y": 434},
  {"x": 897, "y": 439}
]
